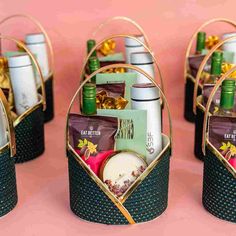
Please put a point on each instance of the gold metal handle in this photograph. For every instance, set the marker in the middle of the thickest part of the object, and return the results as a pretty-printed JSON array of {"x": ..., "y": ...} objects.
[
  {"x": 113, "y": 66},
  {"x": 202, "y": 65},
  {"x": 40, "y": 28},
  {"x": 34, "y": 62},
  {"x": 206, "y": 115},
  {"x": 123, "y": 36},
  {"x": 11, "y": 131},
  {"x": 126, "y": 19},
  {"x": 215, "y": 20}
]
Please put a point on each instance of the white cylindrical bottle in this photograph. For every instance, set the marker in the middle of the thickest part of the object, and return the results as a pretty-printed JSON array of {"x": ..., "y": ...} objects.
[
  {"x": 23, "y": 82},
  {"x": 144, "y": 61},
  {"x": 3, "y": 129},
  {"x": 36, "y": 44},
  {"x": 230, "y": 46},
  {"x": 147, "y": 97},
  {"x": 132, "y": 45}
]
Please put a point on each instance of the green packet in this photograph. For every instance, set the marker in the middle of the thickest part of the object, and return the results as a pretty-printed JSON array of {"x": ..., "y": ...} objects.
[
  {"x": 113, "y": 57},
  {"x": 129, "y": 78},
  {"x": 132, "y": 129}
]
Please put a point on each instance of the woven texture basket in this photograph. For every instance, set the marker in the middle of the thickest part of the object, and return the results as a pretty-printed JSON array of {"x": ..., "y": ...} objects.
[
  {"x": 147, "y": 202},
  {"x": 219, "y": 189},
  {"x": 188, "y": 100},
  {"x": 30, "y": 136},
  {"x": 198, "y": 134},
  {"x": 49, "y": 112},
  {"x": 8, "y": 191}
]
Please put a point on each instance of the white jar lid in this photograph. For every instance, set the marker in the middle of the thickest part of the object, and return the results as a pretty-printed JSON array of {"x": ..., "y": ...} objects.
[
  {"x": 228, "y": 35},
  {"x": 147, "y": 91},
  {"x": 34, "y": 38},
  {"x": 138, "y": 58},
  {"x": 129, "y": 42},
  {"x": 19, "y": 61}
]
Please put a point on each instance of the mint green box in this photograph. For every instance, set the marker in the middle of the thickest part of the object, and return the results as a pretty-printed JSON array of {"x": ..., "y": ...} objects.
[
  {"x": 132, "y": 129},
  {"x": 113, "y": 57}
]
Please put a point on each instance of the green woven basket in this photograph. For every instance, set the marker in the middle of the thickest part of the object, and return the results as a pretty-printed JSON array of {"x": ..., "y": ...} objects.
[
  {"x": 219, "y": 188},
  {"x": 49, "y": 112},
  {"x": 198, "y": 129},
  {"x": 8, "y": 190},
  {"x": 219, "y": 179},
  {"x": 30, "y": 135},
  {"x": 147, "y": 198}
]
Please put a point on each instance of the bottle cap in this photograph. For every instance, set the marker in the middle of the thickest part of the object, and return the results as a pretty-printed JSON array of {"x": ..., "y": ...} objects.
[
  {"x": 34, "y": 38},
  {"x": 216, "y": 62},
  {"x": 89, "y": 90},
  {"x": 90, "y": 44},
  {"x": 227, "y": 94},
  {"x": 142, "y": 92},
  {"x": 19, "y": 61},
  {"x": 94, "y": 64},
  {"x": 201, "y": 40},
  {"x": 129, "y": 42},
  {"x": 228, "y": 35},
  {"x": 140, "y": 58}
]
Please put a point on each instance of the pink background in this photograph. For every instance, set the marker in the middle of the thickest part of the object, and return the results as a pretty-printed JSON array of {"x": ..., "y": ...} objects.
[{"x": 43, "y": 207}]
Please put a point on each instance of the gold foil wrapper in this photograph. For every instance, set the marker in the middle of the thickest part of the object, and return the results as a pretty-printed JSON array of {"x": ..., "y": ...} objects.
[
  {"x": 108, "y": 47},
  {"x": 115, "y": 70},
  {"x": 105, "y": 102},
  {"x": 211, "y": 41},
  {"x": 226, "y": 67}
]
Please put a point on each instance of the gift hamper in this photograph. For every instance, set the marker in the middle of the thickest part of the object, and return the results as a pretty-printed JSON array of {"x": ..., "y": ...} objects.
[
  {"x": 27, "y": 107},
  {"x": 192, "y": 62},
  {"x": 109, "y": 192},
  {"x": 8, "y": 190},
  {"x": 219, "y": 65},
  {"x": 41, "y": 47},
  {"x": 218, "y": 146}
]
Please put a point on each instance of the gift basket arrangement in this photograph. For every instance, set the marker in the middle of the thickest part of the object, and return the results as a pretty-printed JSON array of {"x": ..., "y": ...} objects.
[
  {"x": 220, "y": 64},
  {"x": 41, "y": 47},
  {"x": 17, "y": 80},
  {"x": 204, "y": 43},
  {"x": 8, "y": 190},
  {"x": 218, "y": 146},
  {"x": 118, "y": 156}
]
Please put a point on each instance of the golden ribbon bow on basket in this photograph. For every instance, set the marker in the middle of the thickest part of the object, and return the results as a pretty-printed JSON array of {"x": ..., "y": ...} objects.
[
  {"x": 108, "y": 47},
  {"x": 105, "y": 102},
  {"x": 211, "y": 41},
  {"x": 226, "y": 67},
  {"x": 115, "y": 70}
]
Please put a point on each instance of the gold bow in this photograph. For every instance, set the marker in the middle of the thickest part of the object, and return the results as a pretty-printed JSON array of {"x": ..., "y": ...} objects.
[
  {"x": 115, "y": 70},
  {"x": 211, "y": 41},
  {"x": 105, "y": 102},
  {"x": 108, "y": 47},
  {"x": 226, "y": 67}
]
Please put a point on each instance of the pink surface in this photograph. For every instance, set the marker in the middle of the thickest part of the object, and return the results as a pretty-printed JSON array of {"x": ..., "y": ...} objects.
[{"x": 43, "y": 207}]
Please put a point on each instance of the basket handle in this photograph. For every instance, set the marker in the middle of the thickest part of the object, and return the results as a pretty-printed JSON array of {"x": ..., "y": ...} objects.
[
  {"x": 202, "y": 65},
  {"x": 11, "y": 131},
  {"x": 34, "y": 62},
  {"x": 113, "y": 66},
  {"x": 215, "y": 20},
  {"x": 123, "y": 36},
  {"x": 206, "y": 115},
  {"x": 40, "y": 28},
  {"x": 126, "y": 19}
]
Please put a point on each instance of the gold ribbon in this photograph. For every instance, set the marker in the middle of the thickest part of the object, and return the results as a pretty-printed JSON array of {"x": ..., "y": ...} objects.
[
  {"x": 105, "y": 102},
  {"x": 115, "y": 70},
  {"x": 211, "y": 41},
  {"x": 226, "y": 67},
  {"x": 108, "y": 47},
  {"x": 21, "y": 49}
]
